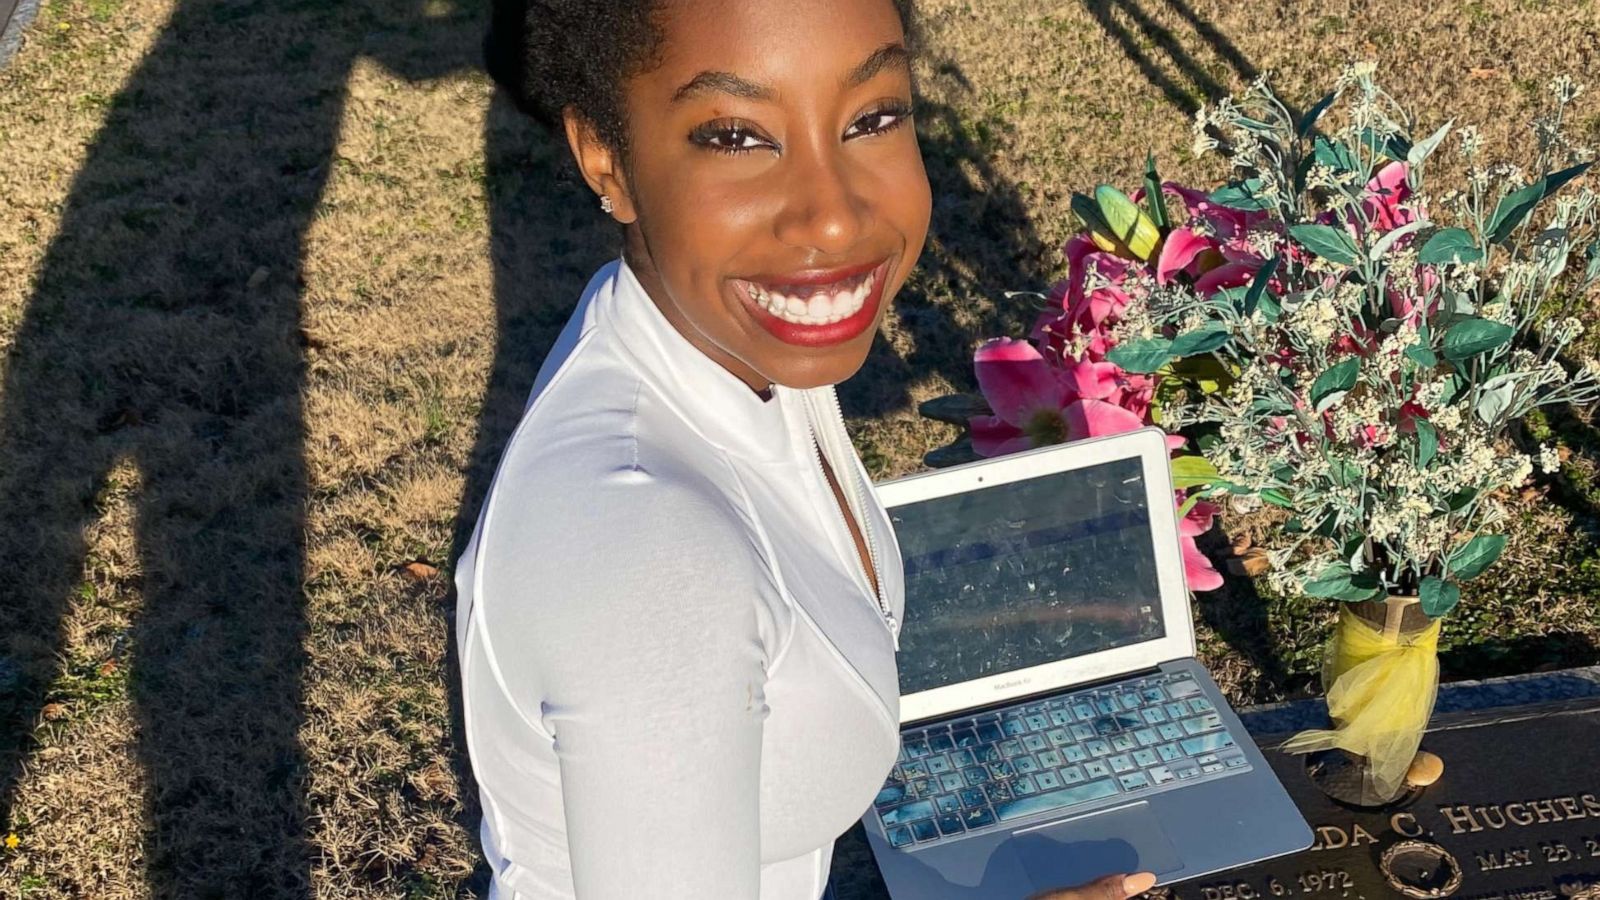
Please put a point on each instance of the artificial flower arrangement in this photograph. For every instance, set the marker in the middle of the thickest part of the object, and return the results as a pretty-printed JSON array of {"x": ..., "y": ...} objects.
[{"x": 1334, "y": 341}]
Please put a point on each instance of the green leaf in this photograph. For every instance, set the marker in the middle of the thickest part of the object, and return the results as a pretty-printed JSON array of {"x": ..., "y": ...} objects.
[
  {"x": 1425, "y": 149},
  {"x": 1476, "y": 555},
  {"x": 1309, "y": 120},
  {"x": 1326, "y": 241},
  {"x": 1344, "y": 472},
  {"x": 1329, "y": 582},
  {"x": 1394, "y": 146},
  {"x": 1258, "y": 286},
  {"x": 1460, "y": 499},
  {"x": 1450, "y": 245},
  {"x": 1152, "y": 193},
  {"x": 1193, "y": 471},
  {"x": 1271, "y": 309},
  {"x": 1392, "y": 236},
  {"x": 1245, "y": 195},
  {"x": 1201, "y": 340},
  {"x": 1427, "y": 442},
  {"x": 1515, "y": 206},
  {"x": 1335, "y": 156},
  {"x": 1494, "y": 398},
  {"x": 1277, "y": 498},
  {"x": 1438, "y": 597},
  {"x": 1473, "y": 335},
  {"x": 1142, "y": 357},
  {"x": 1422, "y": 356},
  {"x": 1339, "y": 378}
]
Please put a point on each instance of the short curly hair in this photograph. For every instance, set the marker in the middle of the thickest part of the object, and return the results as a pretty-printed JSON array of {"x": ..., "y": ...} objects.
[{"x": 553, "y": 54}]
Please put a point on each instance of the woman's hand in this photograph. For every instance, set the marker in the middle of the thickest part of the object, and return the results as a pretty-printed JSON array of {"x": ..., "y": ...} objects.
[{"x": 1111, "y": 887}]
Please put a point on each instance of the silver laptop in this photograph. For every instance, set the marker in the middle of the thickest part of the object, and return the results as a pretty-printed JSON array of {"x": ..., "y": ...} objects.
[{"x": 1055, "y": 724}]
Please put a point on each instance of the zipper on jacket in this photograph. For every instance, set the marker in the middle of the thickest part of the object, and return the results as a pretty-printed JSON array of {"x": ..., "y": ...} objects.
[{"x": 874, "y": 578}]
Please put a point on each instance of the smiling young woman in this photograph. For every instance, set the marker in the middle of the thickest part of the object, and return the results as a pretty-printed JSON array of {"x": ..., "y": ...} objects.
[{"x": 677, "y": 615}]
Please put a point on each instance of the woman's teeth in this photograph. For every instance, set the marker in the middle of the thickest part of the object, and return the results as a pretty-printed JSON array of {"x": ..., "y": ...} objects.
[{"x": 819, "y": 307}]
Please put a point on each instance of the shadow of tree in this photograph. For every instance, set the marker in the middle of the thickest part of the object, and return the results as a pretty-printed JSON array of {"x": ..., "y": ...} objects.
[
  {"x": 164, "y": 337},
  {"x": 1131, "y": 26}
]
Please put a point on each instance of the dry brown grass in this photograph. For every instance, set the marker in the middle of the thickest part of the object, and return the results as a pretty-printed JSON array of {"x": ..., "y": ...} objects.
[{"x": 274, "y": 278}]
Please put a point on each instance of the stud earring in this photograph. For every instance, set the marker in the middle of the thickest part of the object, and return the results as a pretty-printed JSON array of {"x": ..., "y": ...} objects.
[{"x": 606, "y": 206}]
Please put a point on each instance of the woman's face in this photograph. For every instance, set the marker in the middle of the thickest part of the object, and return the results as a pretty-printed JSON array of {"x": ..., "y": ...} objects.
[{"x": 775, "y": 195}]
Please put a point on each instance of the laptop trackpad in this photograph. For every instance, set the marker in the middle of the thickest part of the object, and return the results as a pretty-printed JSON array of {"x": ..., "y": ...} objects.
[{"x": 1077, "y": 851}]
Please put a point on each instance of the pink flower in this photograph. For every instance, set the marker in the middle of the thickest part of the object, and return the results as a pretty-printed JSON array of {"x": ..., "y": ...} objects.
[
  {"x": 1386, "y": 192},
  {"x": 1036, "y": 405},
  {"x": 1197, "y": 569}
]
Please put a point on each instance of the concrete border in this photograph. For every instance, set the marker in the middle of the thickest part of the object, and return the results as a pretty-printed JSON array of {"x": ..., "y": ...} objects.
[{"x": 15, "y": 15}]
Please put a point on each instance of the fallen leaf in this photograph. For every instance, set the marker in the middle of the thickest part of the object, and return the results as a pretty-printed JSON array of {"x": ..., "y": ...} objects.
[
  {"x": 109, "y": 667},
  {"x": 54, "y": 711},
  {"x": 49, "y": 753},
  {"x": 418, "y": 571},
  {"x": 1253, "y": 563},
  {"x": 1241, "y": 543},
  {"x": 1483, "y": 71}
]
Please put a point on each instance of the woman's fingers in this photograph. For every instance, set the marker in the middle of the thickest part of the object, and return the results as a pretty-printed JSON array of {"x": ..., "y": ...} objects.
[{"x": 1111, "y": 887}]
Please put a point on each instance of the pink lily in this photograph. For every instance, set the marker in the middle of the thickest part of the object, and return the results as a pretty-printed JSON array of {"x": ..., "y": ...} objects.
[{"x": 1198, "y": 571}]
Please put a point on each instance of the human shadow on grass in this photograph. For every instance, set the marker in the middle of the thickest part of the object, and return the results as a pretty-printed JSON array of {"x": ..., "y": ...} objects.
[
  {"x": 1130, "y": 25},
  {"x": 161, "y": 356}
]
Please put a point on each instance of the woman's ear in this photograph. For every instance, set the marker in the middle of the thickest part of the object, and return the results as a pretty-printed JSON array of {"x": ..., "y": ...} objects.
[{"x": 600, "y": 164}]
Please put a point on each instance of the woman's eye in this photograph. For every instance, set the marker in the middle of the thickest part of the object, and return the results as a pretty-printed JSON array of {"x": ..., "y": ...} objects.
[
  {"x": 878, "y": 121},
  {"x": 732, "y": 139}
]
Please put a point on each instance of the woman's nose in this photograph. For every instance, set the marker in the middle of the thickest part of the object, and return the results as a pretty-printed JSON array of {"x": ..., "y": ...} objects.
[{"x": 823, "y": 210}]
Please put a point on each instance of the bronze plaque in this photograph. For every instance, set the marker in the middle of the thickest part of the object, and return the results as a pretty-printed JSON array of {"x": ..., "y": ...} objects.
[{"x": 1515, "y": 817}]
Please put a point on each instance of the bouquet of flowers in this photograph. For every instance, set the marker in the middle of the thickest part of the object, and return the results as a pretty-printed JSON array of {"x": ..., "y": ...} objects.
[{"x": 1336, "y": 342}]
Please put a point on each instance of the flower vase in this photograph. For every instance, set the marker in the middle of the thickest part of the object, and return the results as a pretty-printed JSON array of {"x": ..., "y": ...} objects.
[{"x": 1381, "y": 676}]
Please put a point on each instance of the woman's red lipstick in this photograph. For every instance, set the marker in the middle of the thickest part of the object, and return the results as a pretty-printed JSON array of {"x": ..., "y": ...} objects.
[{"x": 816, "y": 308}]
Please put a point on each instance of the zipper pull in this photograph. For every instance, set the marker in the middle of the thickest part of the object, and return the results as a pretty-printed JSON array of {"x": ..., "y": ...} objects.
[{"x": 894, "y": 630}]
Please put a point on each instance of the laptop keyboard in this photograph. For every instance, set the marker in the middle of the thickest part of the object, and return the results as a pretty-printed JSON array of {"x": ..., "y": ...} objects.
[{"x": 1127, "y": 739}]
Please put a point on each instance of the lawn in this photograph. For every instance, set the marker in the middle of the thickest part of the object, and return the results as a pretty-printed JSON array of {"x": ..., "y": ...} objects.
[{"x": 275, "y": 276}]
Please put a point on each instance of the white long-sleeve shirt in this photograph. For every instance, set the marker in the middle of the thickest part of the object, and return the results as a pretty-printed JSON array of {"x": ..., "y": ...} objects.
[{"x": 678, "y": 681}]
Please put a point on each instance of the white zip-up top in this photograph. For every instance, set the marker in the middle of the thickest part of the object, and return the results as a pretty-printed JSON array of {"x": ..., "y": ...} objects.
[{"x": 677, "y": 679}]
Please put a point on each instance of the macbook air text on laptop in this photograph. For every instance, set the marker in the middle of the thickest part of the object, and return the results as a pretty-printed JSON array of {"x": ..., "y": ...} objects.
[{"x": 1055, "y": 724}]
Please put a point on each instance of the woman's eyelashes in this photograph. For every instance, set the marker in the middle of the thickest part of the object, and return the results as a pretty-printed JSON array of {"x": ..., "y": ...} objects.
[{"x": 735, "y": 138}]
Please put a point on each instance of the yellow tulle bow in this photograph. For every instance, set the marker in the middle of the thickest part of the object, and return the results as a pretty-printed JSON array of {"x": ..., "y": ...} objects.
[{"x": 1380, "y": 695}]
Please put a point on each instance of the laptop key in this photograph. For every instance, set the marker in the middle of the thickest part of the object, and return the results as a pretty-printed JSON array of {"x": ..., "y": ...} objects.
[
  {"x": 988, "y": 753},
  {"x": 907, "y": 813},
  {"x": 915, "y": 769},
  {"x": 1170, "y": 731},
  {"x": 890, "y": 795},
  {"x": 1047, "y": 780},
  {"x": 1060, "y": 717},
  {"x": 1131, "y": 700},
  {"x": 971, "y": 797},
  {"x": 1012, "y": 726},
  {"x": 1002, "y": 769},
  {"x": 1058, "y": 736},
  {"x": 998, "y": 790},
  {"x": 1145, "y": 757},
  {"x": 1071, "y": 775},
  {"x": 899, "y": 836},
  {"x": 917, "y": 749},
  {"x": 1096, "y": 769},
  {"x": 1097, "y": 748},
  {"x": 1133, "y": 781},
  {"x": 1026, "y": 764},
  {"x": 977, "y": 818},
  {"x": 1083, "y": 710},
  {"x": 1010, "y": 748},
  {"x": 1024, "y": 786},
  {"x": 952, "y": 781},
  {"x": 1154, "y": 715},
  {"x": 1123, "y": 742},
  {"x": 1183, "y": 687},
  {"x": 924, "y": 830},
  {"x": 1200, "y": 705},
  {"x": 965, "y": 737},
  {"x": 1050, "y": 759},
  {"x": 1082, "y": 732},
  {"x": 1146, "y": 737},
  {"x": 1075, "y": 753},
  {"x": 1185, "y": 769},
  {"x": 962, "y": 758},
  {"x": 1036, "y": 722},
  {"x": 1169, "y": 752},
  {"x": 976, "y": 775},
  {"x": 1176, "y": 710},
  {"x": 941, "y": 743},
  {"x": 988, "y": 732},
  {"x": 1206, "y": 743},
  {"x": 1153, "y": 695},
  {"x": 947, "y": 804},
  {"x": 1033, "y": 743},
  {"x": 1105, "y": 726},
  {"x": 1160, "y": 774},
  {"x": 1121, "y": 763},
  {"x": 951, "y": 824},
  {"x": 1049, "y": 800},
  {"x": 938, "y": 765}
]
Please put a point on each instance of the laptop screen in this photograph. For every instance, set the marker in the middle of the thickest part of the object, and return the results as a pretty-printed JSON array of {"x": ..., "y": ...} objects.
[{"x": 1022, "y": 574}]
